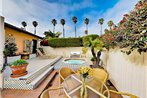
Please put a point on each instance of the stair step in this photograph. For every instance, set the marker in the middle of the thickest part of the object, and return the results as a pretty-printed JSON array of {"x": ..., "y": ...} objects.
[
  {"x": 32, "y": 80},
  {"x": 41, "y": 77},
  {"x": 21, "y": 84},
  {"x": 14, "y": 93}
]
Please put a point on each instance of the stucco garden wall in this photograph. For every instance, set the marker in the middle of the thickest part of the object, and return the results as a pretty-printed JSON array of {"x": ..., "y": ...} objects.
[
  {"x": 65, "y": 52},
  {"x": 2, "y": 38},
  {"x": 127, "y": 72}
]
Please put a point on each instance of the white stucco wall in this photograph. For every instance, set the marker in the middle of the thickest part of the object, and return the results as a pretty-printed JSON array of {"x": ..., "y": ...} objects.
[
  {"x": 0, "y": 7},
  {"x": 65, "y": 52},
  {"x": 128, "y": 72},
  {"x": 2, "y": 37}
]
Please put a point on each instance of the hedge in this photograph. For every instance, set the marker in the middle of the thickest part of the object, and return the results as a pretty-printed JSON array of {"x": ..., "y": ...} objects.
[{"x": 65, "y": 42}]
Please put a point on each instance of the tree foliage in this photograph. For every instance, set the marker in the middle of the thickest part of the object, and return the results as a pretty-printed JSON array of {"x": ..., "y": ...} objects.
[
  {"x": 10, "y": 49},
  {"x": 50, "y": 34},
  {"x": 132, "y": 29}
]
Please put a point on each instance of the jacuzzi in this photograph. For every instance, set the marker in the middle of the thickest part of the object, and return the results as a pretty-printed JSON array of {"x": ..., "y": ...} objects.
[{"x": 74, "y": 61}]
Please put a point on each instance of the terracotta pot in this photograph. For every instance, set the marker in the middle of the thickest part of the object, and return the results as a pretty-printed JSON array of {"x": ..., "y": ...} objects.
[{"x": 16, "y": 70}]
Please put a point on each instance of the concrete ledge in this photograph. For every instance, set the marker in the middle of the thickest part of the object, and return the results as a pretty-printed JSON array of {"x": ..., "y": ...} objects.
[{"x": 38, "y": 70}]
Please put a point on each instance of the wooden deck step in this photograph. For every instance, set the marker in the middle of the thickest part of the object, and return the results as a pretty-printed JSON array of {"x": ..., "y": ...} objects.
[{"x": 12, "y": 93}]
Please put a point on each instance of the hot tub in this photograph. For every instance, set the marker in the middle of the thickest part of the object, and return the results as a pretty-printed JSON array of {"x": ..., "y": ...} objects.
[{"x": 74, "y": 61}]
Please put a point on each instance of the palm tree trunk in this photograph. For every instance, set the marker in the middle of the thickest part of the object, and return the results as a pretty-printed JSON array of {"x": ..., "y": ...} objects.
[
  {"x": 54, "y": 29},
  {"x": 98, "y": 58},
  {"x": 63, "y": 32},
  {"x": 94, "y": 56},
  {"x": 87, "y": 28},
  {"x": 75, "y": 31},
  {"x": 93, "y": 53},
  {"x": 101, "y": 30},
  {"x": 35, "y": 30},
  {"x": 5, "y": 60}
]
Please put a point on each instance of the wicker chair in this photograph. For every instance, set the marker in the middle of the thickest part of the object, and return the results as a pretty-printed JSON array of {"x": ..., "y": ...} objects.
[
  {"x": 42, "y": 55},
  {"x": 45, "y": 93},
  {"x": 65, "y": 72},
  {"x": 121, "y": 93},
  {"x": 102, "y": 75}
]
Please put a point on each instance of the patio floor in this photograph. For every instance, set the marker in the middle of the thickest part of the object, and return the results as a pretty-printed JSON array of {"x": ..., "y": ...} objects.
[
  {"x": 7, "y": 93},
  {"x": 51, "y": 81}
]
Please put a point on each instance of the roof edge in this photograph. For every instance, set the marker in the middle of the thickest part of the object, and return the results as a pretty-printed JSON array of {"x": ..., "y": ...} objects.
[{"x": 21, "y": 30}]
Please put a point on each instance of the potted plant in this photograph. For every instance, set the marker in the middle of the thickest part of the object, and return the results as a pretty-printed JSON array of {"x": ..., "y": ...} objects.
[
  {"x": 18, "y": 68},
  {"x": 10, "y": 53},
  {"x": 96, "y": 46}
]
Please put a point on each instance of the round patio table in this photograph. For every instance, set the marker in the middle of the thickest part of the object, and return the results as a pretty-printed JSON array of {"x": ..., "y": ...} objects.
[{"x": 73, "y": 83}]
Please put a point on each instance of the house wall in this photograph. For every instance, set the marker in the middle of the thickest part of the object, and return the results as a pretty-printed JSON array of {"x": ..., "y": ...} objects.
[
  {"x": 127, "y": 72},
  {"x": 19, "y": 38},
  {"x": 2, "y": 38}
]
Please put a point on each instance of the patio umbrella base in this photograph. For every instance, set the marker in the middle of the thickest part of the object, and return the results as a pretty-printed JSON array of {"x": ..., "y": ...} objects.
[{"x": 15, "y": 76}]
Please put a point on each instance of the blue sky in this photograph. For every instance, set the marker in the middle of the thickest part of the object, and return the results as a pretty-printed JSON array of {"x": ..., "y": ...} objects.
[{"x": 43, "y": 11}]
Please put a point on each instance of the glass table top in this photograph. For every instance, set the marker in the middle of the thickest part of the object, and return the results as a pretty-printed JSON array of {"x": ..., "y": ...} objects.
[{"x": 73, "y": 84}]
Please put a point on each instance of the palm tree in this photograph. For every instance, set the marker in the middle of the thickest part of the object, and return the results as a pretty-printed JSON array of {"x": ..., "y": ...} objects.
[
  {"x": 63, "y": 23},
  {"x": 110, "y": 24},
  {"x": 54, "y": 22},
  {"x": 86, "y": 21},
  {"x": 35, "y": 24},
  {"x": 74, "y": 19},
  {"x": 101, "y": 21},
  {"x": 24, "y": 24},
  {"x": 50, "y": 34}
]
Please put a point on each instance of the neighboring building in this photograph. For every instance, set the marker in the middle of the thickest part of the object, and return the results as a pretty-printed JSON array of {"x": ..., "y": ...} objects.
[{"x": 24, "y": 40}]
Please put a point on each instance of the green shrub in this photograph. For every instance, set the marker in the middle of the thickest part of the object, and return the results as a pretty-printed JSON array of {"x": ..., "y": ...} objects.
[
  {"x": 10, "y": 49},
  {"x": 19, "y": 62},
  {"x": 65, "y": 42},
  {"x": 92, "y": 59},
  {"x": 86, "y": 39},
  {"x": 93, "y": 36}
]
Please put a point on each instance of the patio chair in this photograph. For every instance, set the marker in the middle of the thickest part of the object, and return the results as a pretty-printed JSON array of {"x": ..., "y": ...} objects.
[
  {"x": 75, "y": 54},
  {"x": 45, "y": 93},
  {"x": 43, "y": 54},
  {"x": 102, "y": 75},
  {"x": 120, "y": 93},
  {"x": 64, "y": 72},
  {"x": 48, "y": 54}
]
